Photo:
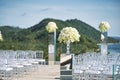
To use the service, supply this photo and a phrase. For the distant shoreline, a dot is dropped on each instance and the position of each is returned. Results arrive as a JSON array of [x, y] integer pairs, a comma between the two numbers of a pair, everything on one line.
[[109, 43]]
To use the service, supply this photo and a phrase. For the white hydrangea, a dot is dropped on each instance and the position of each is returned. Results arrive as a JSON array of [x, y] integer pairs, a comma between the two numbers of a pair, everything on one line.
[[51, 27], [68, 34], [102, 37], [104, 26], [1, 38]]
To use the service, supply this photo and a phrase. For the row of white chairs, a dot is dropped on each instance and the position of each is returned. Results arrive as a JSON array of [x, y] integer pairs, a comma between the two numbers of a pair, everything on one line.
[[91, 65], [18, 63]]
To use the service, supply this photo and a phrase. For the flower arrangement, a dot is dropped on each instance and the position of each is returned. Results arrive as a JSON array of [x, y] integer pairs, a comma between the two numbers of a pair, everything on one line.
[[1, 38], [51, 27], [68, 34], [104, 26], [102, 37]]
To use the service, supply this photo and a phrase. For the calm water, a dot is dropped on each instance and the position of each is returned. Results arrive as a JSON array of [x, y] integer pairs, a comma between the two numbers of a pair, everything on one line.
[[114, 48]]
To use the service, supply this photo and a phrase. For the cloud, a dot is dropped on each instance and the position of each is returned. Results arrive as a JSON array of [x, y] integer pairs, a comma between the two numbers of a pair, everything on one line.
[[45, 9]]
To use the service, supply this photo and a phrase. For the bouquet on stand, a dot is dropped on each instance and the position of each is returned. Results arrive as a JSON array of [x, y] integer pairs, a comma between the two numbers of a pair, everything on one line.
[[68, 35], [104, 26]]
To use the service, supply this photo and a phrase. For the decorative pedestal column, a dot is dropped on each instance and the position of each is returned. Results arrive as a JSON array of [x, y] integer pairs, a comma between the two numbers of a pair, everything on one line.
[[52, 48], [104, 49], [51, 54], [104, 44], [51, 27]]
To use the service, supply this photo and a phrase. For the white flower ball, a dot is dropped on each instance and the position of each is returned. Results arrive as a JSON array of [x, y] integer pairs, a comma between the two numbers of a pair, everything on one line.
[[102, 37], [68, 34], [104, 26], [51, 27], [1, 38]]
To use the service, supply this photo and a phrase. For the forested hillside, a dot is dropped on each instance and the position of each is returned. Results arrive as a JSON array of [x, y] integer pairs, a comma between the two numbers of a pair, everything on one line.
[[37, 38]]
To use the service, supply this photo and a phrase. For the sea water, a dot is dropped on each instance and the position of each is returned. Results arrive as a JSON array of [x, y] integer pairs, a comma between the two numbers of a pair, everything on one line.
[[114, 48]]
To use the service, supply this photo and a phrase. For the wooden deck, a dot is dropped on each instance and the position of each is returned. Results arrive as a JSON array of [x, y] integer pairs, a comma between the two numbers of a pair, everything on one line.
[[44, 72]]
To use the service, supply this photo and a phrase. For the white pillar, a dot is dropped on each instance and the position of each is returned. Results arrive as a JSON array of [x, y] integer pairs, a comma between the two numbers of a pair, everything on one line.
[[52, 48]]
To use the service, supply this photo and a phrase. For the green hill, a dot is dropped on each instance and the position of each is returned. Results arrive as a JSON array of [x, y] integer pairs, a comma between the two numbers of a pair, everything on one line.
[[37, 38]]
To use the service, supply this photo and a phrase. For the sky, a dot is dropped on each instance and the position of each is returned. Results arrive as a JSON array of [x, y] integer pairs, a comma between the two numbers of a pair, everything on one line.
[[26, 13]]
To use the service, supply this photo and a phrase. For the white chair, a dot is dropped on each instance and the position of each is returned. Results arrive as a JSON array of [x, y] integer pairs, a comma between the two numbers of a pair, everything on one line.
[[5, 70]]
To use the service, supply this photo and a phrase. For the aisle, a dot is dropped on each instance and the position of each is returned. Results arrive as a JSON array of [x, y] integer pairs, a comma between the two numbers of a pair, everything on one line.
[[44, 72]]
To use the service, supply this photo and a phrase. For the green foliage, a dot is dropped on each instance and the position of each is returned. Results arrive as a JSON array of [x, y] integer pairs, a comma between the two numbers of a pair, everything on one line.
[[37, 38]]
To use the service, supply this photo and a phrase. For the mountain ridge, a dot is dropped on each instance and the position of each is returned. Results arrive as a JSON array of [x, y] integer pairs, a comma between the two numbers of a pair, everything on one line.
[[37, 38]]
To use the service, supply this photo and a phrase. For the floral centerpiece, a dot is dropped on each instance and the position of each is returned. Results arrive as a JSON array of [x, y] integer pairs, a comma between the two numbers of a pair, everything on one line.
[[102, 37], [104, 26], [1, 38], [51, 27], [68, 35]]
